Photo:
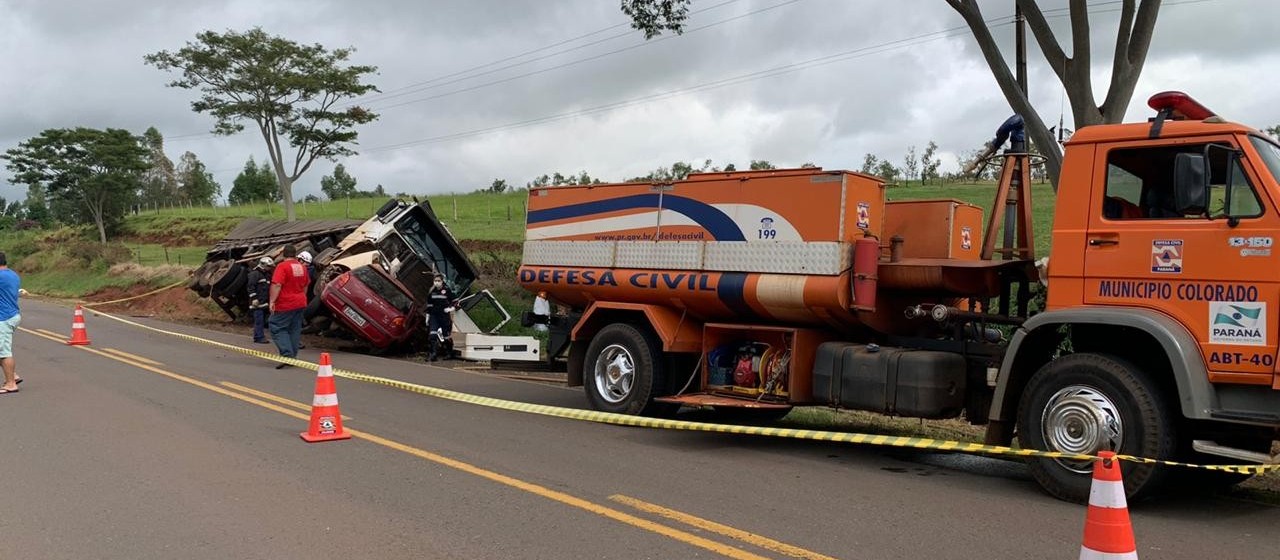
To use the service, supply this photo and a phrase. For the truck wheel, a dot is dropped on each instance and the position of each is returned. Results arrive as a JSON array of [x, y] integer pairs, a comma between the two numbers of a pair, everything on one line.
[[236, 286], [226, 277], [1085, 403], [624, 370]]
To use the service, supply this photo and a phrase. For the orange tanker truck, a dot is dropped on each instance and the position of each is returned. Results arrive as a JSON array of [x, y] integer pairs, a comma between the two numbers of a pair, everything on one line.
[[1151, 333]]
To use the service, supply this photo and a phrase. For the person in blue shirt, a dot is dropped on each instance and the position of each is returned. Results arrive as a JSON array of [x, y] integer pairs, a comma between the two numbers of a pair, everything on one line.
[[10, 288]]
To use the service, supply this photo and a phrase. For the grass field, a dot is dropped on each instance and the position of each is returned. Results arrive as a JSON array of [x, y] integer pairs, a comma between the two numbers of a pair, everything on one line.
[[179, 237]]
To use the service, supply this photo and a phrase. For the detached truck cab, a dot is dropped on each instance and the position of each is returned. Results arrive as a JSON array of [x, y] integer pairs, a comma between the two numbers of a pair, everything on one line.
[[758, 291], [377, 284]]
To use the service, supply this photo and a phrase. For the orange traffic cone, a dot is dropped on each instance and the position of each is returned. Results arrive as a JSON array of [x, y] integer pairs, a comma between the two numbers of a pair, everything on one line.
[[79, 336], [1107, 532], [326, 421]]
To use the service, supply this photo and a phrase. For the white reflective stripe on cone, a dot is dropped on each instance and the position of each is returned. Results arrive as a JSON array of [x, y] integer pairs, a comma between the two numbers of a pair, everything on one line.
[[1107, 494], [324, 371], [1090, 554], [325, 400]]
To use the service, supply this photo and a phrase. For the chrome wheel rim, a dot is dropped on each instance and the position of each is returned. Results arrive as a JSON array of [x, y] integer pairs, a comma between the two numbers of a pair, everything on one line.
[[1083, 420], [615, 373]]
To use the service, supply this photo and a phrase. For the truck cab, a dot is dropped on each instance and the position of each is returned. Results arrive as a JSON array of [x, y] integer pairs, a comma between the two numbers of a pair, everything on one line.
[[1162, 284], [378, 285]]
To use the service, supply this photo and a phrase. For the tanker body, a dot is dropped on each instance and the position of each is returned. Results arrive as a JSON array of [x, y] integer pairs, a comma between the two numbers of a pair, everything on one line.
[[738, 263]]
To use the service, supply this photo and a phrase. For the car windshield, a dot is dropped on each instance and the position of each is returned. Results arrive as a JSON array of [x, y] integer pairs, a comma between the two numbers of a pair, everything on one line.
[[1270, 155], [415, 231], [384, 287]]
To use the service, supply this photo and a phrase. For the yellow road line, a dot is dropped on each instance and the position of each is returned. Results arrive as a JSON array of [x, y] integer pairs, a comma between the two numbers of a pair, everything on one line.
[[567, 499], [46, 333], [271, 397], [711, 526], [133, 357]]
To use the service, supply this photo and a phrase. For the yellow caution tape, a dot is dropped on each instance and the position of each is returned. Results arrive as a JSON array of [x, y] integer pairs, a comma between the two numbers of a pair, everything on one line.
[[665, 424], [131, 298]]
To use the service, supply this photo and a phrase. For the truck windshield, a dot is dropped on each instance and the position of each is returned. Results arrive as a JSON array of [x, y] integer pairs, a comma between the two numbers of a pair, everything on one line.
[[382, 286], [416, 232], [1270, 155]]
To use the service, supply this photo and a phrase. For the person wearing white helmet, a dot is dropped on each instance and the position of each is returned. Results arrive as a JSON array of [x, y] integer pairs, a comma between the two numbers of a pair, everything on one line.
[[305, 258], [259, 287]]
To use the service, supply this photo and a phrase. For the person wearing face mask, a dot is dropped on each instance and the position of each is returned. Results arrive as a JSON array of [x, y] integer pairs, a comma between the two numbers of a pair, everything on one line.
[[441, 302]]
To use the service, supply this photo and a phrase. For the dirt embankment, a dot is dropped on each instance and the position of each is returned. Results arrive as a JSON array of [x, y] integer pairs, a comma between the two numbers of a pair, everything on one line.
[[177, 304]]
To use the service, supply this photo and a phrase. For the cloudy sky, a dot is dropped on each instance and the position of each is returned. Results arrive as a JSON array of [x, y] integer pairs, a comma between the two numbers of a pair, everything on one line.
[[475, 90]]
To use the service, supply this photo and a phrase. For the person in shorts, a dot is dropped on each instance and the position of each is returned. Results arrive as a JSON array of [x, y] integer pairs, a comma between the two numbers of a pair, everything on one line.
[[10, 289]]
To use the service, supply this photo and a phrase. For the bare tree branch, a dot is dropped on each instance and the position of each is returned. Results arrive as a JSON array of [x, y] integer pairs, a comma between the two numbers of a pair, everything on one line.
[[1044, 37], [1035, 126]]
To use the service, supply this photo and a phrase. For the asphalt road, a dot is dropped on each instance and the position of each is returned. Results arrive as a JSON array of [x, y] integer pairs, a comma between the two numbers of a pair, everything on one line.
[[145, 446]]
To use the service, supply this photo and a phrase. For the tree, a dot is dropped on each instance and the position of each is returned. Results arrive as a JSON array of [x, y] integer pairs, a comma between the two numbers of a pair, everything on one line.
[[339, 185], [498, 186], [929, 162], [378, 191], [808, 165], [911, 163], [287, 89], [870, 163], [1274, 131], [730, 167], [760, 164], [195, 183], [160, 180], [97, 172], [887, 171], [1137, 25], [254, 183]]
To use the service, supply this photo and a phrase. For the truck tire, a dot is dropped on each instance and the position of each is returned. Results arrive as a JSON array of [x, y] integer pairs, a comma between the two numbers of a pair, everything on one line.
[[624, 371], [324, 257], [1085, 403], [236, 286], [215, 272], [225, 277], [206, 270]]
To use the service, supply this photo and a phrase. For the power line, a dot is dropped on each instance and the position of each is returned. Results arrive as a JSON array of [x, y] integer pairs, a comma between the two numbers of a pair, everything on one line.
[[384, 96], [389, 93], [768, 73], [558, 66], [734, 80]]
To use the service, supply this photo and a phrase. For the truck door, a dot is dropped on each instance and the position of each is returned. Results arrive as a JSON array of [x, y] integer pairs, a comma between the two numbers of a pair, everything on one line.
[[1214, 277]]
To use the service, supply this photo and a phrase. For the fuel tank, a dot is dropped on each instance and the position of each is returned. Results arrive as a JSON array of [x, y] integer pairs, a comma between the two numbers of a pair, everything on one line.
[[796, 247]]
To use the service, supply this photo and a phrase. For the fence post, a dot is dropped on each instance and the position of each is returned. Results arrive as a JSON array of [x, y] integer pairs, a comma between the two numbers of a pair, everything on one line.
[[508, 211], [455, 208], [166, 253], [348, 206]]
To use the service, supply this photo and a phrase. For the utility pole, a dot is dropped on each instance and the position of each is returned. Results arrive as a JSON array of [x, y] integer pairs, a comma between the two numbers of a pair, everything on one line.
[[1016, 187], [1020, 30]]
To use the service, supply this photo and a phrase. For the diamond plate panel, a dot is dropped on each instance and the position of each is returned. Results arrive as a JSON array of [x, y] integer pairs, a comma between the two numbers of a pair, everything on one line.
[[677, 255], [569, 253], [782, 257]]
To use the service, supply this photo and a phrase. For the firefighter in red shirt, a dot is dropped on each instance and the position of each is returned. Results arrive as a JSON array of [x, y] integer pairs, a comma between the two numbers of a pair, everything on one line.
[[288, 302]]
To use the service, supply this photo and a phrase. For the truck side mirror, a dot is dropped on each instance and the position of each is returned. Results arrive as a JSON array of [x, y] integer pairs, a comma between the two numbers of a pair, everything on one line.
[[1190, 184]]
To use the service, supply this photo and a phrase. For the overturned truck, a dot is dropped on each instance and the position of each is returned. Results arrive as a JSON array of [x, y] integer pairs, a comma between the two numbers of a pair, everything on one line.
[[370, 278]]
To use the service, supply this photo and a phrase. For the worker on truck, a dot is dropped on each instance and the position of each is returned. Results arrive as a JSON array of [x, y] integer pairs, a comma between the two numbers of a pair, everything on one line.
[[441, 302]]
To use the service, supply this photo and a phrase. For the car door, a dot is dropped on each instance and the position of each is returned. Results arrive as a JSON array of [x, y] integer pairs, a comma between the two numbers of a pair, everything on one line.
[[1213, 275]]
